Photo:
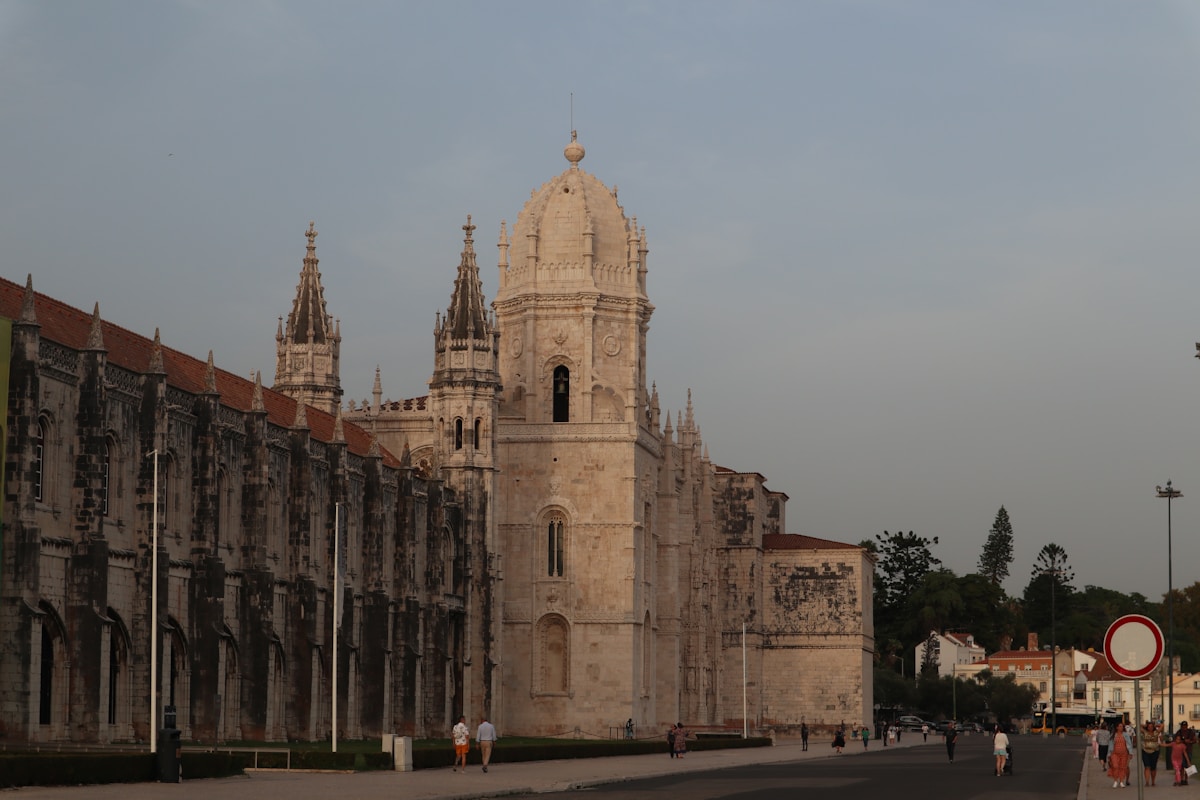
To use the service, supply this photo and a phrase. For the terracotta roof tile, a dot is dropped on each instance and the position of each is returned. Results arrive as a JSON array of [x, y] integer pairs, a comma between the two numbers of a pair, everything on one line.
[[70, 326], [796, 541]]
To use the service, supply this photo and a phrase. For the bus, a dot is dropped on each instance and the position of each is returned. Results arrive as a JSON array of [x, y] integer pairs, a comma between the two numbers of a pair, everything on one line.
[[1075, 720]]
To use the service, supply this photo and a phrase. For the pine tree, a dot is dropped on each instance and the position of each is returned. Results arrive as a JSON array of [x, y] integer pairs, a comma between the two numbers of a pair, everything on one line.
[[997, 552]]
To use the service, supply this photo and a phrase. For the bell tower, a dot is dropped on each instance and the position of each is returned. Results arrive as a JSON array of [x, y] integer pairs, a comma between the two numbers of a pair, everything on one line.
[[580, 459], [308, 347]]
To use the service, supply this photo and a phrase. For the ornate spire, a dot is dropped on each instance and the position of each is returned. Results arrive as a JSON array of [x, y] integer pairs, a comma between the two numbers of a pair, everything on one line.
[[466, 318], [95, 340], [308, 323], [308, 344]]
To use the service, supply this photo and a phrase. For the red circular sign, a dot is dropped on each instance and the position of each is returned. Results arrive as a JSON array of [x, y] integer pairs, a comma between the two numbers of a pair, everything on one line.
[[1133, 646]]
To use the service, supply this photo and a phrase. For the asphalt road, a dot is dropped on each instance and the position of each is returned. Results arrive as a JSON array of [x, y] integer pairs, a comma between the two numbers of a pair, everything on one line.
[[1044, 769]]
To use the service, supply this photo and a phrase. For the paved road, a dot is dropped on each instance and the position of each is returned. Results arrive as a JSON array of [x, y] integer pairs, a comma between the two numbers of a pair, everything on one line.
[[1046, 770]]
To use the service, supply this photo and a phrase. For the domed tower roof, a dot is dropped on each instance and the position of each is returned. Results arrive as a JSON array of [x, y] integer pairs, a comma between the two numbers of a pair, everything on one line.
[[573, 235]]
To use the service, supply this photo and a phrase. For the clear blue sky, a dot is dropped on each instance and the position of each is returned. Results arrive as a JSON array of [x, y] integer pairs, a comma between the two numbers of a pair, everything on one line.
[[914, 259]]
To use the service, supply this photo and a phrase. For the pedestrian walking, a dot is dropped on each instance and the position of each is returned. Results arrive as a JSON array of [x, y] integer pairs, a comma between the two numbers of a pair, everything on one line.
[[1189, 740], [866, 736], [1177, 752], [1151, 742], [925, 732], [671, 741], [461, 735], [839, 739], [1000, 749], [485, 735], [804, 737], [680, 740], [1103, 740], [1118, 758], [951, 737]]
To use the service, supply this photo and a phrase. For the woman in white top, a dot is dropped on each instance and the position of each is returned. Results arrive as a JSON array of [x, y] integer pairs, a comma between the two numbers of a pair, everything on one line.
[[1000, 749]]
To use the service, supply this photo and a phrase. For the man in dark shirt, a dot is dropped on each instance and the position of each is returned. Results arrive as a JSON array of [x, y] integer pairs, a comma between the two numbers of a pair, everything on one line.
[[951, 737]]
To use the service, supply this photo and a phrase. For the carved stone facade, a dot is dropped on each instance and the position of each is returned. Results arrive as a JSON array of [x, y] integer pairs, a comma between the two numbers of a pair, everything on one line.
[[534, 539]]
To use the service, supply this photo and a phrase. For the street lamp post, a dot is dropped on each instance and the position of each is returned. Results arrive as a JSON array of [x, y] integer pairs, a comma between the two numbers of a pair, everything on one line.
[[1170, 494], [1053, 658]]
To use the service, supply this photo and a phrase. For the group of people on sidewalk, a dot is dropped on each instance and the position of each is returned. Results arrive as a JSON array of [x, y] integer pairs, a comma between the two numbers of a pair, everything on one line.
[[485, 739], [1115, 747]]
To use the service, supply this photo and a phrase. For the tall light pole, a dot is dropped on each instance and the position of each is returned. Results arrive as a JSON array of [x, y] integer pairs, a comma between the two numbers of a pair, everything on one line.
[[1053, 657], [154, 611], [1170, 494]]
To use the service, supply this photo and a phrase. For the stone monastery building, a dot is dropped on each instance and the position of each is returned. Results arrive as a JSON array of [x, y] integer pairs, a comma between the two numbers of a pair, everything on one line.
[[534, 539]]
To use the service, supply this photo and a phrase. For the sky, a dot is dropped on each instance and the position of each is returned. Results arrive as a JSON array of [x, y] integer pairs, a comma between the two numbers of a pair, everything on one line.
[[914, 260]]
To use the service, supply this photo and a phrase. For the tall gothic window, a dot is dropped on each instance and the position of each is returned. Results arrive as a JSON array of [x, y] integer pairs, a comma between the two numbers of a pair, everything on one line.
[[478, 433], [458, 433], [39, 461], [105, 476], [554, 546], [562, 394]]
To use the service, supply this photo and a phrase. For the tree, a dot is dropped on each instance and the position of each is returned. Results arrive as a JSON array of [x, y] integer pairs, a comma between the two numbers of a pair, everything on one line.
[[1049, 595], [892, 690], [903, 561], [935, 605], [1006, 698], [932, 656], [997, 553]]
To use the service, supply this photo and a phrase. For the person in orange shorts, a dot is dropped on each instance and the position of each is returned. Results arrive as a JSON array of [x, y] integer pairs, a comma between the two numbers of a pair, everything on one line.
[[461, 735]]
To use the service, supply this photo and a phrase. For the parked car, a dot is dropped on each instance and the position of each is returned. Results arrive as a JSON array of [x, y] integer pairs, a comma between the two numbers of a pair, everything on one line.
[[909, 722]]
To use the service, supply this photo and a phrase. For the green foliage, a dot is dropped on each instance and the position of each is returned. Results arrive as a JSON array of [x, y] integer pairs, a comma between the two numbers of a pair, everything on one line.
[[892, 690], [997, 553], [1048, 601], [904, 561], [1006, 698]]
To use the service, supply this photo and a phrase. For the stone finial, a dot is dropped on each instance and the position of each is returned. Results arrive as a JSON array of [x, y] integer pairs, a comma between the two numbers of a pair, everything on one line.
[[339, 432], [156, 356], [95, 340], [574, 151], [210, 375], [374, 451], [28, 312], [256, 401], [301, 421]]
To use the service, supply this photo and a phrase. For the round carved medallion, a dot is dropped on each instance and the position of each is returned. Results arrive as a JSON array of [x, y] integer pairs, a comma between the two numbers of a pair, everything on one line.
[[612, 345]]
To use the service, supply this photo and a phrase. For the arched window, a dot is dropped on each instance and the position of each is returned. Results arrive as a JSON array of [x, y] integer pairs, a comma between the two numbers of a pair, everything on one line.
[[105, 473], [478, 434], [39, 460], [562, 394], [555, 545], [458, 433]]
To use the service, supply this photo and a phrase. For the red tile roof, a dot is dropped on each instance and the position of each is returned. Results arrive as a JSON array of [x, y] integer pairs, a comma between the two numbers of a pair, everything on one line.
[[70, 327], [796, 541]]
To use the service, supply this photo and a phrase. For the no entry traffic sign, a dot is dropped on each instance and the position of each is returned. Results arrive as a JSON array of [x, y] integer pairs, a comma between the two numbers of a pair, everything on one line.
[[1133, 646]]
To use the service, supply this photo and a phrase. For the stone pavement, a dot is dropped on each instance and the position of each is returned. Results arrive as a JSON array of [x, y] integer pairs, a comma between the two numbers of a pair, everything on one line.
[[503, 779], [1095, 784]]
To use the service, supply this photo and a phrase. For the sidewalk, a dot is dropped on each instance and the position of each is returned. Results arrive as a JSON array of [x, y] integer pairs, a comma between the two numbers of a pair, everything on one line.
[[1094, 782], [443, 784]]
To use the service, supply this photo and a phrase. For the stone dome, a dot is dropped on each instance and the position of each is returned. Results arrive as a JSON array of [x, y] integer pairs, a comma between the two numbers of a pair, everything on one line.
[[576, 232]]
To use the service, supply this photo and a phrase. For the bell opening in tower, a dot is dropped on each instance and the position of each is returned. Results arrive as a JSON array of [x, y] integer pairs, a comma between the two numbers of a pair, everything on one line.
[[562, 394]]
